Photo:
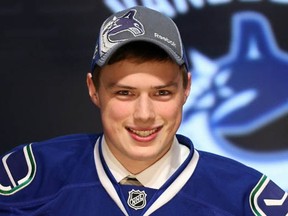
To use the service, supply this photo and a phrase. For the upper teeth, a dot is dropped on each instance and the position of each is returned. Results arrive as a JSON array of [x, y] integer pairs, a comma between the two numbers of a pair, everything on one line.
[[143, 133]]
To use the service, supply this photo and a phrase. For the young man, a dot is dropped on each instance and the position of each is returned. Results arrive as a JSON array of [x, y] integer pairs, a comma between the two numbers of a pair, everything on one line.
[[140, 82]]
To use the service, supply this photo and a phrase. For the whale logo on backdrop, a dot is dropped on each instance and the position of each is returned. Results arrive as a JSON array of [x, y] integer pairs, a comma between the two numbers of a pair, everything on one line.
[[240, 93]]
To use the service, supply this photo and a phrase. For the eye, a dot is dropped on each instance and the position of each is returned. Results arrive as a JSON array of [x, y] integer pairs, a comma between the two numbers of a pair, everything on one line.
[[163, 93], [123, 93]]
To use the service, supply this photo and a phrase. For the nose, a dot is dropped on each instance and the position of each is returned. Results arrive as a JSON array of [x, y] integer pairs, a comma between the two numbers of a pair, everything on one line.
[[144, 109]]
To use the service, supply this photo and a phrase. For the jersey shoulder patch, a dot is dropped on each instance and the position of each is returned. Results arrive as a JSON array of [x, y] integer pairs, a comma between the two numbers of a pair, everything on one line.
[[17, 170], [267, 198]]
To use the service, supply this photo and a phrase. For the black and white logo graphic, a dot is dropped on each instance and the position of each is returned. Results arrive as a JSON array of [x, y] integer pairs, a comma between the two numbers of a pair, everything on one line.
[[137, 199]]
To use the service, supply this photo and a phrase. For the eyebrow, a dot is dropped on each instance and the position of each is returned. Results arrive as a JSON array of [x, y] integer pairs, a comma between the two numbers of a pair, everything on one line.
[[115, 85], [171, 84]]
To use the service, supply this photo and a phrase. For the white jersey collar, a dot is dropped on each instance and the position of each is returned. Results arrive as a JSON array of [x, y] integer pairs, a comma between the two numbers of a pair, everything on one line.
[[172, 186], [155, 175]]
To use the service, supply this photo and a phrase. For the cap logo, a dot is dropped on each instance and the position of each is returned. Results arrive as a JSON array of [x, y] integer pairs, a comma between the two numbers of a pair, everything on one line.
[[116, 30]]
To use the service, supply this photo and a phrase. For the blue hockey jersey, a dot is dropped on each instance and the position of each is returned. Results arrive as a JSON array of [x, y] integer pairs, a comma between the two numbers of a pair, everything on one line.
[[67, 176]]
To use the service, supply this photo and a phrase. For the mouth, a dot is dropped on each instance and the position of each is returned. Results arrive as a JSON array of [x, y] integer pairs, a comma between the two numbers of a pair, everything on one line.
[[144, 133]]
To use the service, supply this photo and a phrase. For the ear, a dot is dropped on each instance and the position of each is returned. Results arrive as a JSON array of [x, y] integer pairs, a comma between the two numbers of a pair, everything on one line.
[[92, 89], [188, 88]]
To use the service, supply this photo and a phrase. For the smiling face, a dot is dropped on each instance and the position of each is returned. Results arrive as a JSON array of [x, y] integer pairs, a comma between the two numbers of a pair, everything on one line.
[[141, 109]]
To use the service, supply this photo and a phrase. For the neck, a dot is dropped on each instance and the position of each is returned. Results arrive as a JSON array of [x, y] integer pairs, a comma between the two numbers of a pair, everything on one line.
[[137, 164]]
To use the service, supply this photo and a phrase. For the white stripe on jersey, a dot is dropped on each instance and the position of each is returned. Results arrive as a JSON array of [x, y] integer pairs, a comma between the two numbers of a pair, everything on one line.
[[167, 195]]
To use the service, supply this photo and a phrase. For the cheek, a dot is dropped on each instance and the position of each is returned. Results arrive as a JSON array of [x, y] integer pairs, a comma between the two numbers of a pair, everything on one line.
[[115, 111], [171, 111]]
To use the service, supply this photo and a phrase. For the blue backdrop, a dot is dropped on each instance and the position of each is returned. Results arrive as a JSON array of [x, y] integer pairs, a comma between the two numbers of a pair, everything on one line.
[[238, 52]]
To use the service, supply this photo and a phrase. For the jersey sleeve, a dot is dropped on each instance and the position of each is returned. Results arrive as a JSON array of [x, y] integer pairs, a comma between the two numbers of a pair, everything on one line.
[[17, 170], [269, 199]]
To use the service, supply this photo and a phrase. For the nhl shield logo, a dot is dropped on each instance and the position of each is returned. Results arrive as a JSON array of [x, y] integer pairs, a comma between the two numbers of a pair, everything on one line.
[[137, 199]]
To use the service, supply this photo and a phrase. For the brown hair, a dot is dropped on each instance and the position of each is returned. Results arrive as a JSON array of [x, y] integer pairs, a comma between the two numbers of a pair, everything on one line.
[[141, 52]]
